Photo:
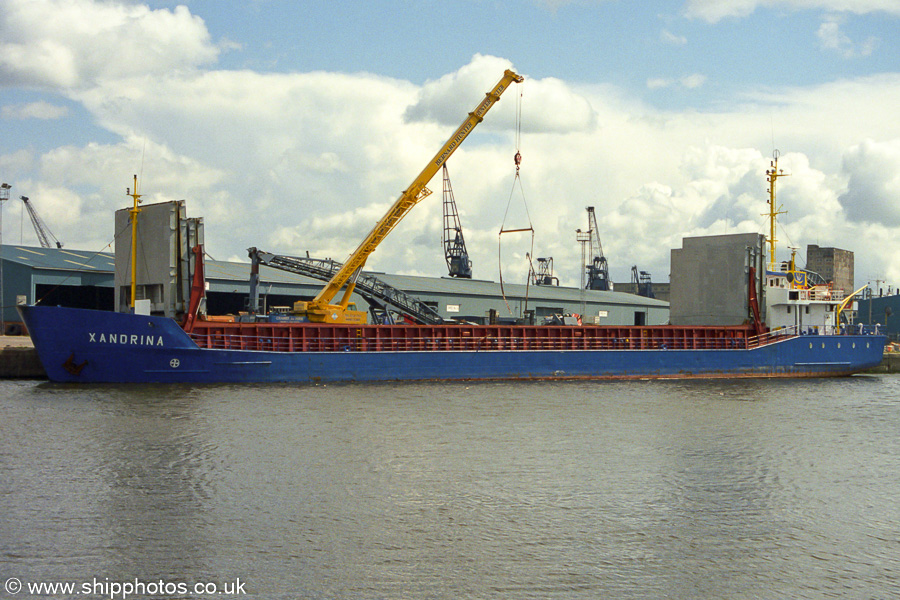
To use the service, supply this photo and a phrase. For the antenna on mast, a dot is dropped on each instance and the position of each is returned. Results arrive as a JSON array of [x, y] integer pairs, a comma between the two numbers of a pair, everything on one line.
[[773, 174], [134, 213]]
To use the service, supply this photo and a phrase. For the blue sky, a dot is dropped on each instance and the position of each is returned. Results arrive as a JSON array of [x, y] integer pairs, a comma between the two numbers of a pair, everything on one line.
[[292, 126], [620, 42]]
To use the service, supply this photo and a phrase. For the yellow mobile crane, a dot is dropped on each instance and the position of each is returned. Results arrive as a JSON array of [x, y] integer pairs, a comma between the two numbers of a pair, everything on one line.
[[320, 309]]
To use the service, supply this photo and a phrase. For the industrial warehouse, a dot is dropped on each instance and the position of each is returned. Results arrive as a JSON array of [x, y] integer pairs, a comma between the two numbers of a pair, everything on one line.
[[81, 279]]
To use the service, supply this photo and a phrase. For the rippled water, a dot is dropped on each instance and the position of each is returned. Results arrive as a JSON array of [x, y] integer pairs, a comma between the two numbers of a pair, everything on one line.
[[749, 489]]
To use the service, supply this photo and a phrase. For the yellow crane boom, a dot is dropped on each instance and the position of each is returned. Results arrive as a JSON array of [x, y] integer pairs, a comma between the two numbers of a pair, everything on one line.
[[320, 309]]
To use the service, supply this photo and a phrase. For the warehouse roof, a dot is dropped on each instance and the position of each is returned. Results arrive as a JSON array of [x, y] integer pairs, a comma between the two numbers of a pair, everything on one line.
[[59, 258]]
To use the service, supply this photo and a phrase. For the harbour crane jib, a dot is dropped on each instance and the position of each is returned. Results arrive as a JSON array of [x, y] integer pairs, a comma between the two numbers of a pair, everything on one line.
[[321, 309], [40, 228], [458, 262], [598, 268]]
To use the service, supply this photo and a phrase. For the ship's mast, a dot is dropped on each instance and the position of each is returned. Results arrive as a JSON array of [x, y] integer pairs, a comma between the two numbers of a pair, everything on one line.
[[134, 213], [773, 174]]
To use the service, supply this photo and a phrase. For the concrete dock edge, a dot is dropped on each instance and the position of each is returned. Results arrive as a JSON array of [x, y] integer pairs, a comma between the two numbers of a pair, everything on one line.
[[20, 362]]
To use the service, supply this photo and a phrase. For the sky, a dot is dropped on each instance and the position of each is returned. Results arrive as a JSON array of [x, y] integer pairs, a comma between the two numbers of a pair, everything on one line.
[[293, 126]]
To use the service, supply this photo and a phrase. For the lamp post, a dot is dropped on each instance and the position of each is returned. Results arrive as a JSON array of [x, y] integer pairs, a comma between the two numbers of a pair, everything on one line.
[[4, 196]]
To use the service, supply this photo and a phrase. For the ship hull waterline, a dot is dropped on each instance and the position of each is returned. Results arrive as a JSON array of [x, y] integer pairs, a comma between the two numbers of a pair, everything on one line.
[[88, 346]]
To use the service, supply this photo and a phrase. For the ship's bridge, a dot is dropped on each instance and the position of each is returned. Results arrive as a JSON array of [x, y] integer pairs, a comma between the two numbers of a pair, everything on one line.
[[793, 299]]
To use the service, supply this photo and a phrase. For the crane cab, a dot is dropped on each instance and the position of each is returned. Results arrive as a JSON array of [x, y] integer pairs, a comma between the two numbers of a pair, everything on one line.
[[330, 313]]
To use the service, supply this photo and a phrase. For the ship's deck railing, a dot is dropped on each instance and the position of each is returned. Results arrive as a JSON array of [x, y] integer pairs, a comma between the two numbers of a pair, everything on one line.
[[349, 344], [774, 335], [821, 293], [446, 338], [327, 338], [812, 330]]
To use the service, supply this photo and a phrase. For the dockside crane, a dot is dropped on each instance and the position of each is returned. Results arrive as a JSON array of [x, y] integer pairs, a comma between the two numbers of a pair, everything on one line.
[[641, 282], [40, 228], [544, 273], [597, 269], [321, 309], [455, 252]]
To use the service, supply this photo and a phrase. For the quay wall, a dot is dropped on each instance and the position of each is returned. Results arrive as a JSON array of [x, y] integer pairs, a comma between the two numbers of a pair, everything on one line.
[[20, 362]]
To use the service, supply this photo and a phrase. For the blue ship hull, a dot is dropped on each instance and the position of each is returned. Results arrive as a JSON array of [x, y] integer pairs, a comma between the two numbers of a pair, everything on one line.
[[77, 345]]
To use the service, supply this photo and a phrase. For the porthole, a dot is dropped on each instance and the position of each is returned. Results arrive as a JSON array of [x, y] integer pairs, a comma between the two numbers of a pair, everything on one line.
[[823, 344], [854, 344], [839, 344], [810, 345]]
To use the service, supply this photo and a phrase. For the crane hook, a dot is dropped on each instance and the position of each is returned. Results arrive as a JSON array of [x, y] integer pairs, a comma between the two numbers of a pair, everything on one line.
[[518, 160]]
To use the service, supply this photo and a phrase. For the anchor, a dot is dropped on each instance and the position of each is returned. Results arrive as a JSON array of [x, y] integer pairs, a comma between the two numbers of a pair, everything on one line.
[[71, 367]]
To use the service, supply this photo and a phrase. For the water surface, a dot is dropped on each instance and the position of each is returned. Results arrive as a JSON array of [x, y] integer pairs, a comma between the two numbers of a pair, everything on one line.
[[716, 489]]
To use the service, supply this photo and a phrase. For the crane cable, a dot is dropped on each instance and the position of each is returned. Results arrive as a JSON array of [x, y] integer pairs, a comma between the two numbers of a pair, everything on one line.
[[517, 159]]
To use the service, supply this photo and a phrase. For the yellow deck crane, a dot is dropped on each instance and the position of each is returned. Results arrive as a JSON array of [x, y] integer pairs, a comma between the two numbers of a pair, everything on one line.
[[320, 309]]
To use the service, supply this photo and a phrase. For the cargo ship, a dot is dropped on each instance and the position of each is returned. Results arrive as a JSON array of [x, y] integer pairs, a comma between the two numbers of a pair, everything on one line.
[[320, 340], [80, 345]]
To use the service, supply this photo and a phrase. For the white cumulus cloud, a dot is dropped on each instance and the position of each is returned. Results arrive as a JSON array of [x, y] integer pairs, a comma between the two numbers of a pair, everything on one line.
[[552, 106], [716, 10], [689, 82], [76, 43], [873, 188], [668, 37], [831, 37], [34, 110]]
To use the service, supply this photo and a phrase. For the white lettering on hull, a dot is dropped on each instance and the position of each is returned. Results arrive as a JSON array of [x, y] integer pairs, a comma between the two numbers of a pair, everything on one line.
[[124, 338]]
